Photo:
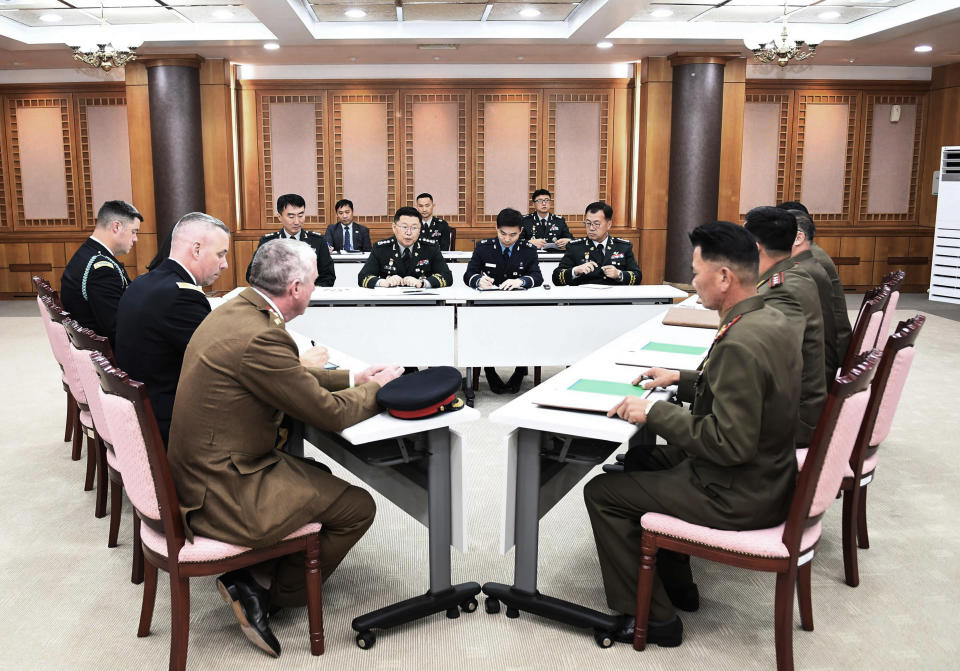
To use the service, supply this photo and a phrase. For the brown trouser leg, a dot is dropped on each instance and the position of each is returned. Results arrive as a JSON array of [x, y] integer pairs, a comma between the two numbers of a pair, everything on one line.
[[344, 523]]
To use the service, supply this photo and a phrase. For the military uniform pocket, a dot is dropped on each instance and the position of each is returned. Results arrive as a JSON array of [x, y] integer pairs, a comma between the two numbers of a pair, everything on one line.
[[251, 463]]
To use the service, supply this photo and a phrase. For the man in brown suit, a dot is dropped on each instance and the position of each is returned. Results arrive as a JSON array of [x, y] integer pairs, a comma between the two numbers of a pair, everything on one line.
[[240, 374]]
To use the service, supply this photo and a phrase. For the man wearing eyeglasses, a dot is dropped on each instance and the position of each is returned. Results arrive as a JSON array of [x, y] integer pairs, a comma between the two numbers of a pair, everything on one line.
[[405, 260], [542, 226], [598, 258]]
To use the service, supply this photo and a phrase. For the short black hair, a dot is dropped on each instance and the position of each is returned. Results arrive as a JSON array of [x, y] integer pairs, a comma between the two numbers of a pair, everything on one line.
[[509, 217], [290, 199], [113, 210], [794, 205], [804, 223], [730, 244], [540, 192], [600, 206], [407, 211], [425, 195], [341, 203], [774, 229]]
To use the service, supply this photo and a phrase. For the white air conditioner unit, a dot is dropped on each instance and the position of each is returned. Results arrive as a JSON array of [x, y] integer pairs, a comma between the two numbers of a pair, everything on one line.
[[945, 272]]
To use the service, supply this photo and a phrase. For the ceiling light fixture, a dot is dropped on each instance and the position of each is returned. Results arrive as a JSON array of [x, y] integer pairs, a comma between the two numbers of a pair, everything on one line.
[[51, 18], [271, 46], [604, 45], [785, 50], [661, 13], [829, 15], [105, 50], [922, 48], [529, 12], [222, 14], [355, 13]]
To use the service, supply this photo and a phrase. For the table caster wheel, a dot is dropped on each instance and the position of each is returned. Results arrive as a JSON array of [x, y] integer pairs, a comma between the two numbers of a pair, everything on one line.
[[365, 640], [512, 612], [453, 613], [492, 605], [469, 606], [603, 638]]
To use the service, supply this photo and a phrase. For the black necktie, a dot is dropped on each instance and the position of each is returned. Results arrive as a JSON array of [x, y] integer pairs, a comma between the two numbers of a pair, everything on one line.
[[600, 249], [506, 253], [347, 242], [406, 257]]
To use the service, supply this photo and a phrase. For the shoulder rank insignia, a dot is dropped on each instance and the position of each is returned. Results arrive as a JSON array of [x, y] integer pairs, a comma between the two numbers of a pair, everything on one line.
[[619, 239], [102, 264], [187, 285], [776, 279], [277, 319], [722, 331], [386, 241]]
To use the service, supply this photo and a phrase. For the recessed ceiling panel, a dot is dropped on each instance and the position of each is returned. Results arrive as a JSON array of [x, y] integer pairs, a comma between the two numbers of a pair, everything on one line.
[[846, 14], [95, 4], [134, 15], [768, 3], [183, 3], [744, 14], [218, 14], [443, 11], [347, 4], [677, 12], [865, 3], [510, 11], [372, 12], [31, 17], [31, 4]]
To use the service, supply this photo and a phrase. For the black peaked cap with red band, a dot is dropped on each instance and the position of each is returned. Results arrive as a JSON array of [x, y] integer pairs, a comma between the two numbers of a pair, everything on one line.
[[422, 394]]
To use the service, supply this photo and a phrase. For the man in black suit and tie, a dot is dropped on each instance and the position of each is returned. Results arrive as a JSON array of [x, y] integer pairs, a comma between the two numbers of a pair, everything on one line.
[[346, 235], [292, 212], [160, 310]]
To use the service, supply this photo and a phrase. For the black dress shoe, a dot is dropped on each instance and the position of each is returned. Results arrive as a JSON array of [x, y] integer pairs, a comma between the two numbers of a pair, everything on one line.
[[613, 468], [251, 605], [667, 634], [497, 385], [685, 597], [620, 457], [513, 384]]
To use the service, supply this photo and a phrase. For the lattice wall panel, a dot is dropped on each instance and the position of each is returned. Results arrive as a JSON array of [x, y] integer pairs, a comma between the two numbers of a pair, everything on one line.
[[86, 173], [603, 99], [783, 136], [460, 100], [269, 197], [871, 103]]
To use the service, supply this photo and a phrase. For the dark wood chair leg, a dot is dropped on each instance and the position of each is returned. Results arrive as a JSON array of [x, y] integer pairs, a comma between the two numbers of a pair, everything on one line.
[[863, 538], [476, 377], [116, 503], [71, 417], [648, 563], [136, 573], [77, 436], [314, 596], [179, 621], [851, 571], [149, 599], [91, 463], [100, 509], [537, 372], [783, 619], [804, 596]]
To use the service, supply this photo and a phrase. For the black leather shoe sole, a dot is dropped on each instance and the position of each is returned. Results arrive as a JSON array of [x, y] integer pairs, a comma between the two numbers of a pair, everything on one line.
[[266, 641], [666, 634]]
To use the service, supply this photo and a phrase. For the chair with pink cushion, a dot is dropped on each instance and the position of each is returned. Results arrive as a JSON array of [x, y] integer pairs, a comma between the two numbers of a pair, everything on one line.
[[865, 331], [887, 387], [892, 281], [786, 549], [150, 488], [44, 289], [84, 422]]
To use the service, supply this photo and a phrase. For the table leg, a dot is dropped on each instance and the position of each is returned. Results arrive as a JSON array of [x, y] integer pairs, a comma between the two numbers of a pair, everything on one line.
[[442, 596], [523, 594], [468, 388]]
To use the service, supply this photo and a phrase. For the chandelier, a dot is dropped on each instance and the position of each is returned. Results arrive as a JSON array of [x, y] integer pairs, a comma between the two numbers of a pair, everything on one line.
[[103, 50], [784, 51]]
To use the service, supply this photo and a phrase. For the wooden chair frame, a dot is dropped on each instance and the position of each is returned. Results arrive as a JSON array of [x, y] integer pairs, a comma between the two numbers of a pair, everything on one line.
[[73, 413], [874, 300]]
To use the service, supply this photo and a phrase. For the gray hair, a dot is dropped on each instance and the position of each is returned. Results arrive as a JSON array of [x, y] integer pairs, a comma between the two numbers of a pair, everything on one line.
[[196, 221], [280, 262]]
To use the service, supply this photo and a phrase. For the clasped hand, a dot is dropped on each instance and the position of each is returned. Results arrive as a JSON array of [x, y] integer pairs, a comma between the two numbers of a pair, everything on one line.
[[378, 373]]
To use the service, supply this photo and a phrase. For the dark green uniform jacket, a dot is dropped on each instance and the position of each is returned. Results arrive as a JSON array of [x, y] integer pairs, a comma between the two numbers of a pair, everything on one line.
[[831, 354], [550, 229], [841, 317]]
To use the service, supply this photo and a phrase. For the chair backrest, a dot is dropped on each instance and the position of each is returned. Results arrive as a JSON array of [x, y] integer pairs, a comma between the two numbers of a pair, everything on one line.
[[44, 289], [140, 453], [892, 281], [61, 347], [868, 324], [453, 238], [830, 449], [83, 343]]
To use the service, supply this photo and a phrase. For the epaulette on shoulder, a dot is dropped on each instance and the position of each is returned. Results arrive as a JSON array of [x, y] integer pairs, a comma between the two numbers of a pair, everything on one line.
[[776, 280], [488, 241], [559, 218], [439, 219], [527, 217], [427, 241], [621, 240], [578, 241], [385, 241], [187, 285], [311, 234], [271, 236], [524, 244], [102, 264]]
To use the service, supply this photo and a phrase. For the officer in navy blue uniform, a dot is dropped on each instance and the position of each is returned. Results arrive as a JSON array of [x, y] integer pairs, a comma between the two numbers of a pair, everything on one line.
[[542, 226], [405, 260], [598, 258], [94, 280], [160, 310], [433, 228], [506, 263], [292, 208]]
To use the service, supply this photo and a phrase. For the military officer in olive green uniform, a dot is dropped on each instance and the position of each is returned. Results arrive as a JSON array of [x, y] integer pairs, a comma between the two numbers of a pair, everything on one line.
[[789, 288], [841, 317], [598, 258], [405, 260], [730, 462]]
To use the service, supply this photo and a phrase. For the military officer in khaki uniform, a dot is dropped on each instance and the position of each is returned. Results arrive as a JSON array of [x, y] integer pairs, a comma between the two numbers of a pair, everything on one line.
[[841, 317], [730, 462], [789, 289], [404, 259], [432, 228], [599, 258]]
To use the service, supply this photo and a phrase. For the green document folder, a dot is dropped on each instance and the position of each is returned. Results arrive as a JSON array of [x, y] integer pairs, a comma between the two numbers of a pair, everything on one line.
[[611, 388], [673, 349]]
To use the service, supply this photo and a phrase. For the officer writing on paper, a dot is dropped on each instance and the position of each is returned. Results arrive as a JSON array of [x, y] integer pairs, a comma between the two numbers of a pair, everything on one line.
[[504, 262], [730, 461]]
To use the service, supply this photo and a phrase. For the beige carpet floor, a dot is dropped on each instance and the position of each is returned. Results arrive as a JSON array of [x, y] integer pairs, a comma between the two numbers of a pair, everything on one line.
[[67, 601]]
